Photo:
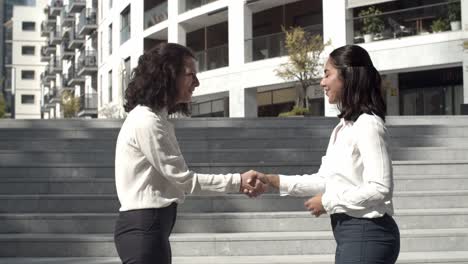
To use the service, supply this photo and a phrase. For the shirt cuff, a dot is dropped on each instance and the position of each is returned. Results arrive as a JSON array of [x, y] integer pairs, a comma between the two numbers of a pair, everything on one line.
[[235, 182], [284, 183], [327, 202]]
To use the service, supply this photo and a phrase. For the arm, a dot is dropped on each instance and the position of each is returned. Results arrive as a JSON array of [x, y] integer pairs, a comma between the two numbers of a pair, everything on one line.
[[377, 184], [158, 144]]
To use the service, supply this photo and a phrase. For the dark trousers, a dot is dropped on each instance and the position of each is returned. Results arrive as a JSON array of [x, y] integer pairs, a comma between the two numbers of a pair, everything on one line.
[[365, 241], [142, 236]]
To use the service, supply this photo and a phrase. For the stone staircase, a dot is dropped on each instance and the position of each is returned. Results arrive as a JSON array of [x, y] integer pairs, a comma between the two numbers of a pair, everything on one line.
[[58, 202]]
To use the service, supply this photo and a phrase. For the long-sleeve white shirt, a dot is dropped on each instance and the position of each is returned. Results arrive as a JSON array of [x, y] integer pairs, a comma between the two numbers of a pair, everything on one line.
[[355, 176], [150, 171]]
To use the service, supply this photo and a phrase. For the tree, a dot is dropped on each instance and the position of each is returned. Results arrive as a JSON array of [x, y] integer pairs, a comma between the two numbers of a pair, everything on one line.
[[2, 106], [304, 62], [70, 104]]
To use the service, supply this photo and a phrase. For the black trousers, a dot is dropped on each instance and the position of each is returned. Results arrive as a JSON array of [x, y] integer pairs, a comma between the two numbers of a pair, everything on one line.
[[365, 241], [142, 236]]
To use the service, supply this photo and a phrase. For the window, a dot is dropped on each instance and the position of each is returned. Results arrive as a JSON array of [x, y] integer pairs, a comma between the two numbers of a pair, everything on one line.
[[27, 75], [110, 39], [127, 74], [29, 26], [110, 86], [27, 99], [125, 25], [100, 90], [27, 50]]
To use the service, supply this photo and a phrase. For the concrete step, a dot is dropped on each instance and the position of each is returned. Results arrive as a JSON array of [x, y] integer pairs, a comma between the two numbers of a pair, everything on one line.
[[94, 170], [14, 157], [404, 258], [222, 244], [64, 185], [229, 203], [293, 221], [58, 144]]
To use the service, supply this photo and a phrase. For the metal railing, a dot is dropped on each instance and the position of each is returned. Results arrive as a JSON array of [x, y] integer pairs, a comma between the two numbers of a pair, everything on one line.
[[213, 58], [87, 58], [87, 18], [273, 45], [399, 23], [89, 101], [155, 15]]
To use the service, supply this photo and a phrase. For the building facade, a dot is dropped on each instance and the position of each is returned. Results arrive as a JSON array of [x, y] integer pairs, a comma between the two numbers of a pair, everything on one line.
[[71, 56], [19, 53], [239, 44]]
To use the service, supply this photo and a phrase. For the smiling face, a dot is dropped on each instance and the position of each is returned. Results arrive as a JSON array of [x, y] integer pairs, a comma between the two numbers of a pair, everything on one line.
[[332, 83], [187, 81]]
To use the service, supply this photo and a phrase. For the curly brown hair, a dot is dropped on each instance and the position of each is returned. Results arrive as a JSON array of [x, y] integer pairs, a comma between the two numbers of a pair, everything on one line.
[[153, 81]]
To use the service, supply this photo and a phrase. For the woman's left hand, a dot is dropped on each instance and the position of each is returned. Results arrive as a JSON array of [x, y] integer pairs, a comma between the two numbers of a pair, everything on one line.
[[314, 205]]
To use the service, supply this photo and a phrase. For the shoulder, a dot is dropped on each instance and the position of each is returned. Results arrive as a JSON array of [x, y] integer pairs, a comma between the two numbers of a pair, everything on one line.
[[366, 123]]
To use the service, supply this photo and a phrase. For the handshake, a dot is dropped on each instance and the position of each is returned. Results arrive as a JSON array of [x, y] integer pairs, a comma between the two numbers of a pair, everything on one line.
[[254, 183]]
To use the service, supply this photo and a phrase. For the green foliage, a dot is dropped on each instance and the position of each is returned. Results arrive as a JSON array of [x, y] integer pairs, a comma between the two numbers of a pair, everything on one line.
[[2, 106], [439, 25], [70, 104], [454, 10], [296, 111], [304, 64], [372, 22]]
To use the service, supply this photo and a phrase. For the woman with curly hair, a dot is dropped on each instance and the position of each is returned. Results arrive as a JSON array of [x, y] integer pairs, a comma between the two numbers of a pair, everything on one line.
[[151, 175]]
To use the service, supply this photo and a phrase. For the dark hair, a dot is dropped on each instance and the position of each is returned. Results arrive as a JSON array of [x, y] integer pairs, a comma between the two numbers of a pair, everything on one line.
[[361, 83], [153, 81]]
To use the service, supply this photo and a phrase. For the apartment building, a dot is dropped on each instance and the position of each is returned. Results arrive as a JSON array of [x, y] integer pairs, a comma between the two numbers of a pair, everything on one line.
[[71, 56], [239, 44], [21, 65]]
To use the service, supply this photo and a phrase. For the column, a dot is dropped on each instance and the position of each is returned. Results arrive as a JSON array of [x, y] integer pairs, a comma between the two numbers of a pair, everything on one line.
[[176, 33], [240, 29], [339, 31], [242, 102]]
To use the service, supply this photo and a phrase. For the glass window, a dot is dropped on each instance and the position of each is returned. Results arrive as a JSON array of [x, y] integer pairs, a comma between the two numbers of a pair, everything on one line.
[[110, 39], [27, 50], [110, 86], [125, 25], [29, 26], [27, 75], [27, 99]]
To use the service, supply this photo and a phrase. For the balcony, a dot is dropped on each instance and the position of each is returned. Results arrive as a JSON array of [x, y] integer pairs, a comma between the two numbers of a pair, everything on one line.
[[55, 37], [73, 78], [52, 97], [45, 57], [67, 18], [50, 21], [87, 22], [377, 23], [212, 58], [47, 76], [76, 41], [50, 49], [272, 45], [66, 52], [88, 104], [75, 6], [192, 4], [45, 29], [155, 15], [55, 7], [65, 86], [87, 63], [8, 34], [55, 66]]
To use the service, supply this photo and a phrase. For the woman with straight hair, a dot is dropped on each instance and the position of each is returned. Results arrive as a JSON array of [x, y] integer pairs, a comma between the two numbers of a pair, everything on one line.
[[354, 184], [151, 175]]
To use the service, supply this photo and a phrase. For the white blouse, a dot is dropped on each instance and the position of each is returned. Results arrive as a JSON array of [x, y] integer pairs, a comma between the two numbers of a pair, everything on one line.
[[150, 171], [355, 176]]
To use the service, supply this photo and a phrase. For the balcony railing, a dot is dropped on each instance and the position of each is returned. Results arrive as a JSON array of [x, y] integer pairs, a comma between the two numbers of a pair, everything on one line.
[[66, 52], [67, 18], [155, 15], [87, 22], [55, 66], [87, 63], [45, 29], [213, 58], [89, 101], [192, 4], [76, 40], [73, 78], [8, 34], [75, 6], [55, 7], [45, 56], [55, 36], [273, 45], [124, 34], [419, 20]]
